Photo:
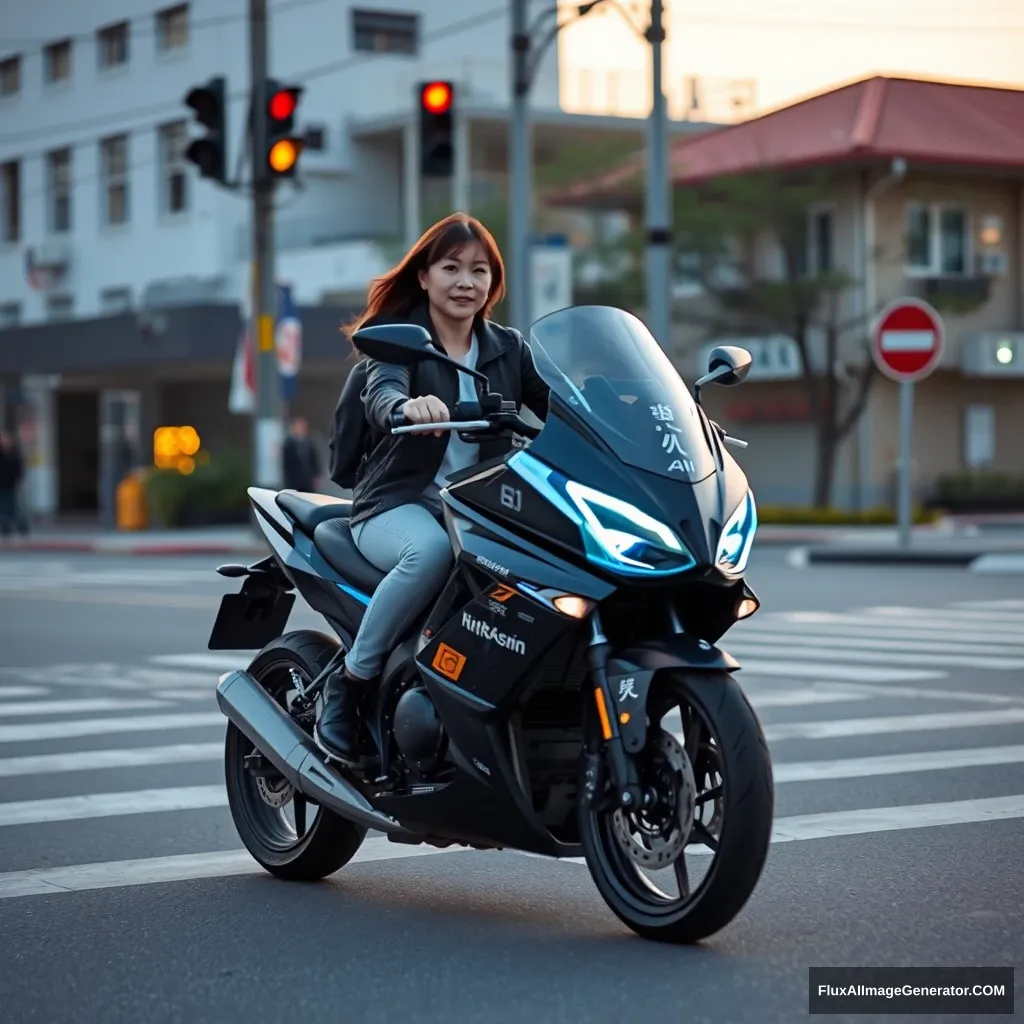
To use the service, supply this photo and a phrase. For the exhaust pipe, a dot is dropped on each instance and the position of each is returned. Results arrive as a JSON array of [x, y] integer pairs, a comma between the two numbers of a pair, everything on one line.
[[293, 753]]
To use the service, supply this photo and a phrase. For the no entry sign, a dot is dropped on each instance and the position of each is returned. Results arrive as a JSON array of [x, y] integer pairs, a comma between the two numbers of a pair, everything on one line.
[[908, 340]]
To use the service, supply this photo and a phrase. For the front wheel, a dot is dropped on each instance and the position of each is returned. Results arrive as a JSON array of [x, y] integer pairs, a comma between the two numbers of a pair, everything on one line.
[[683, 867]]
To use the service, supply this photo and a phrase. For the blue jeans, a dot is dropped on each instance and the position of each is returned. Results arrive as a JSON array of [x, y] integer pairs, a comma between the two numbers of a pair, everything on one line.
[[413, 549]]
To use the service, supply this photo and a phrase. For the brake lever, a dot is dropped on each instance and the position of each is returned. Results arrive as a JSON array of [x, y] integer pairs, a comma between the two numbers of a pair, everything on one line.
[[735, 442]]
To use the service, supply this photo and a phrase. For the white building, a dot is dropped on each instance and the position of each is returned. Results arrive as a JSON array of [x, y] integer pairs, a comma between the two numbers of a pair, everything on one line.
[[122, 272]]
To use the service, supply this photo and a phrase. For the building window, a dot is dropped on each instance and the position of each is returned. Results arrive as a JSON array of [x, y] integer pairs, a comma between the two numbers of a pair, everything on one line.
[[10, 314], [10, 184], [59, 307], [380, 32], [172, 28], [10, 76], [822, 245], [116, 300], [173, 172], [57, 62], [114, 152], [59, 190], [937, 239], [112, 45]]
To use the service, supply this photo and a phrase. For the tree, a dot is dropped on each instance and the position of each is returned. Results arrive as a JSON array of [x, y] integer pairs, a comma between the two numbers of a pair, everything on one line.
[[718, 228]]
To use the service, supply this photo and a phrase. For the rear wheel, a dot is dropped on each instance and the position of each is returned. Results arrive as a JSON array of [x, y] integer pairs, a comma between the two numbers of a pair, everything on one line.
[[287, 835], [683, 867]]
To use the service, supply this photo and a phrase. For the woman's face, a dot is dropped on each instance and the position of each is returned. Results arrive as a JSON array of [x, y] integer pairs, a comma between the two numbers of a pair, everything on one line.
[[458, 285]]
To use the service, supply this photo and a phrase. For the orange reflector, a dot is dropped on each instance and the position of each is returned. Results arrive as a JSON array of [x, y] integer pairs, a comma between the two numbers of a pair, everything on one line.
[[283, 155], [602, 713], [746, 608], [624, 717], [576, 607]]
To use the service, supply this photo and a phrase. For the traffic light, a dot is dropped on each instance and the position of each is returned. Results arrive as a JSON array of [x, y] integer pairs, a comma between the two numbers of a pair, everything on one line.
[[437, 149], [209, 153], [283, 145]]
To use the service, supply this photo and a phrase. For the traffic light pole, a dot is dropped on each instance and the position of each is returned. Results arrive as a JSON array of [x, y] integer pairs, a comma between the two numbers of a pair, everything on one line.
[[267, 425], [520, 220]]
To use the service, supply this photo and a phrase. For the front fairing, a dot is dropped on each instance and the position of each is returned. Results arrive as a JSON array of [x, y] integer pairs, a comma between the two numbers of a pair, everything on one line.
[[695, 510]]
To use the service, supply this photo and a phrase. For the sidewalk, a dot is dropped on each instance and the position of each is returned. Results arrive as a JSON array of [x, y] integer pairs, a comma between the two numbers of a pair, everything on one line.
[[235, 540]]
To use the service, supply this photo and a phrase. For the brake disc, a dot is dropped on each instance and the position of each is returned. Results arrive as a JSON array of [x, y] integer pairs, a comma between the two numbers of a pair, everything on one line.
[[657, 844], [275, 795]]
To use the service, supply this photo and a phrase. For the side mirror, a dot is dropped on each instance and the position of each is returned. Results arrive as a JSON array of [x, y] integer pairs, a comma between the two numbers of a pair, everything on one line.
[[727, 365], [402, 344]]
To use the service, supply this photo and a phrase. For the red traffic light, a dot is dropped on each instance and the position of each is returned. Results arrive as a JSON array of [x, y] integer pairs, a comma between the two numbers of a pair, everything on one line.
[[436, 97], [282, 104]]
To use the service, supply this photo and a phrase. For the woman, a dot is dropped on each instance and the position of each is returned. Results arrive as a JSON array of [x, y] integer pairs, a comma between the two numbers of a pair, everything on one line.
[[448, 283]]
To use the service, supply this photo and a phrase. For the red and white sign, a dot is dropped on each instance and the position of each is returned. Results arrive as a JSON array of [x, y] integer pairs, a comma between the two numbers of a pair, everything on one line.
[[908, 340]]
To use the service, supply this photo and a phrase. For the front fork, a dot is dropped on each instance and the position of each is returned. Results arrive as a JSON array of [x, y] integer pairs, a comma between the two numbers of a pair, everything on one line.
[[620, 766]]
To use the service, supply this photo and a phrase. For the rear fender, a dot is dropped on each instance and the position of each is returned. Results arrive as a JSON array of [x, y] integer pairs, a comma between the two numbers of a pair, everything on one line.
[[631, 671]]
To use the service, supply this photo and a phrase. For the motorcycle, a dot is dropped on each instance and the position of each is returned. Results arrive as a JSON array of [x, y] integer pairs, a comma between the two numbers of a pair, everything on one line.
[[564, 695]]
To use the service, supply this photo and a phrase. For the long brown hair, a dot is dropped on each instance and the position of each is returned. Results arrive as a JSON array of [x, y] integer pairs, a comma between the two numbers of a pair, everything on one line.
[[398, 291]]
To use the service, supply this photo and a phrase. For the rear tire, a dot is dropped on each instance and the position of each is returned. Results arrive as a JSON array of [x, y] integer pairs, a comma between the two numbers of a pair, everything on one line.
[[746, 811], [331, 841]]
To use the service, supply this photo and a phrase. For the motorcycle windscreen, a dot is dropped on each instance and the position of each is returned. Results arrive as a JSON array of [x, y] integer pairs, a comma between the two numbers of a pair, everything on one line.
[[609, 370]]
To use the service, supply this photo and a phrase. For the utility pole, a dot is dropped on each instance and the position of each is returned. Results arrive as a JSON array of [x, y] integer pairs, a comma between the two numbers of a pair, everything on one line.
[[267, 433], [659, 191], [520, 221]]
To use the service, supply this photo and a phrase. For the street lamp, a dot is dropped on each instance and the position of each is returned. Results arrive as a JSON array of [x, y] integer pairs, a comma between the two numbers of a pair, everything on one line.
[[658, 191]]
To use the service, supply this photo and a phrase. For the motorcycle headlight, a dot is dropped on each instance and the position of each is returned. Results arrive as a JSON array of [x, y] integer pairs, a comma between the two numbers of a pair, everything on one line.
[[615, 533], [627, 536], [737, 538]]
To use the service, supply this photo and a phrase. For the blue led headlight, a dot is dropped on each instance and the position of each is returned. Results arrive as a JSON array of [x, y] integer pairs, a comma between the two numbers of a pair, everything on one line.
[[737, 538]]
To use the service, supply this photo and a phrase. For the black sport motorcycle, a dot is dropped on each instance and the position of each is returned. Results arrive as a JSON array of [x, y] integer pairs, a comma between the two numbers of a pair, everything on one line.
[[564, 695]]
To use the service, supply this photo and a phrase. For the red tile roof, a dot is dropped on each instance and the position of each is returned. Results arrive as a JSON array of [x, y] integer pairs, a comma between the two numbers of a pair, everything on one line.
[[876, 118]]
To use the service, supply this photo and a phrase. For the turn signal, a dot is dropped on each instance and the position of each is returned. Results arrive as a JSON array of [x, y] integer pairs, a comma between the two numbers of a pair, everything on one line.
[[573, 606], [747, 607]]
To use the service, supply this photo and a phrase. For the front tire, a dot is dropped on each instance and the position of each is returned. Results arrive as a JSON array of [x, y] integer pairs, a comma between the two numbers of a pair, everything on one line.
[[721, 736], [287, 849]]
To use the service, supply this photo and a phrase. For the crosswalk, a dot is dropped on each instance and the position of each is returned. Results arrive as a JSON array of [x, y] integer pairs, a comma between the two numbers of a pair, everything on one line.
[[902, 696], [47, 574]]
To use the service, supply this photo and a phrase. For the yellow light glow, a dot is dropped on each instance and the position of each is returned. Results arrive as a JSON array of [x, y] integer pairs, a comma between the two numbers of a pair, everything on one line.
[[569, 604], [746, 608], [283, 156], [174, 448]]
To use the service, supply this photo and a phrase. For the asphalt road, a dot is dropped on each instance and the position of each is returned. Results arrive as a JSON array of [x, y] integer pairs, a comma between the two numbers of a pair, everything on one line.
[[893, 701]]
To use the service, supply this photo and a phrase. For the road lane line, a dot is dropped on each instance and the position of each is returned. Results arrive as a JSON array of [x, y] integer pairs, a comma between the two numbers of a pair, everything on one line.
[[87, 704], [858, 641], [831, 654], [817, 670], [799, 828], [22, 691], [896, 764], [110, 805], [32, 731], [822, 730], [213, 662], [93, 760]]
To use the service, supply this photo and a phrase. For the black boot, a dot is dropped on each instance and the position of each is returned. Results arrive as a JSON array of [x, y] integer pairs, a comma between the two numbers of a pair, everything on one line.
[[337, 731]]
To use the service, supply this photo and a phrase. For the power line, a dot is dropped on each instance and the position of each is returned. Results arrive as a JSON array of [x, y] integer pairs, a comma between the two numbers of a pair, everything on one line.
[[146, 113]]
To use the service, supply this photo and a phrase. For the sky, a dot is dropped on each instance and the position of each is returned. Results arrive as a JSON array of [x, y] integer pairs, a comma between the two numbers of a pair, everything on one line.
[[767, 53]]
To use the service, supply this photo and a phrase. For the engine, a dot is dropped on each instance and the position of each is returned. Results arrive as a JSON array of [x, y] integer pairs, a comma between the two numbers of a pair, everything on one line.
[[418, 731]]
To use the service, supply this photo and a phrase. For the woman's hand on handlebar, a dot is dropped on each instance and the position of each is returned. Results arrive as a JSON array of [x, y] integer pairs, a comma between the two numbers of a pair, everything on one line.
[[428, 409]]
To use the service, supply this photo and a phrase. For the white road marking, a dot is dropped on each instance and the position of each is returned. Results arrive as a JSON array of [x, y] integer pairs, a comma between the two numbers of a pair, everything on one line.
[[109, 805], [1008, 563], [984, 617], [213, 662], [1003, 632], [895, 764], [127, 757], [86, 704], [817, 670], [1006, 603], [33, 731], [799, 828], [892, 724], [859, 642], [827, 632], [827, 654], [22, 691]]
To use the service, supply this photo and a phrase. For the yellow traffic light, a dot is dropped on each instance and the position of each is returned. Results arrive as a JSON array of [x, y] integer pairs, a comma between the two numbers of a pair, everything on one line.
[[283, 155], [175, 448]]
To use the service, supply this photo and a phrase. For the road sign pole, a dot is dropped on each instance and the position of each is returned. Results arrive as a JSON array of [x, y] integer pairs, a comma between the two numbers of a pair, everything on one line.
[[906, 452]]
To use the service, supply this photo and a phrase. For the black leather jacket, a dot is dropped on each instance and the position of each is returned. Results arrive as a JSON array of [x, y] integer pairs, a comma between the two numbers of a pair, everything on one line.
[[401, 467]]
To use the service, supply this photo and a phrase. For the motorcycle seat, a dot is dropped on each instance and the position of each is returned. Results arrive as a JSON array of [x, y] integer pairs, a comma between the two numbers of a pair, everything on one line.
[[310, 510], [333, 539]]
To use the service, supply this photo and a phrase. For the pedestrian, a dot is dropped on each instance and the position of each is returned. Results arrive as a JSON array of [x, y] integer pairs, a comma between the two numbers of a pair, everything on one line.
[[12, 469], [448, 283], [301, 459]]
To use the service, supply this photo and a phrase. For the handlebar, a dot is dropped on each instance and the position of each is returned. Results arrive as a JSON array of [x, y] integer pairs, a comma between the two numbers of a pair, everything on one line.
[[491, 423]]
